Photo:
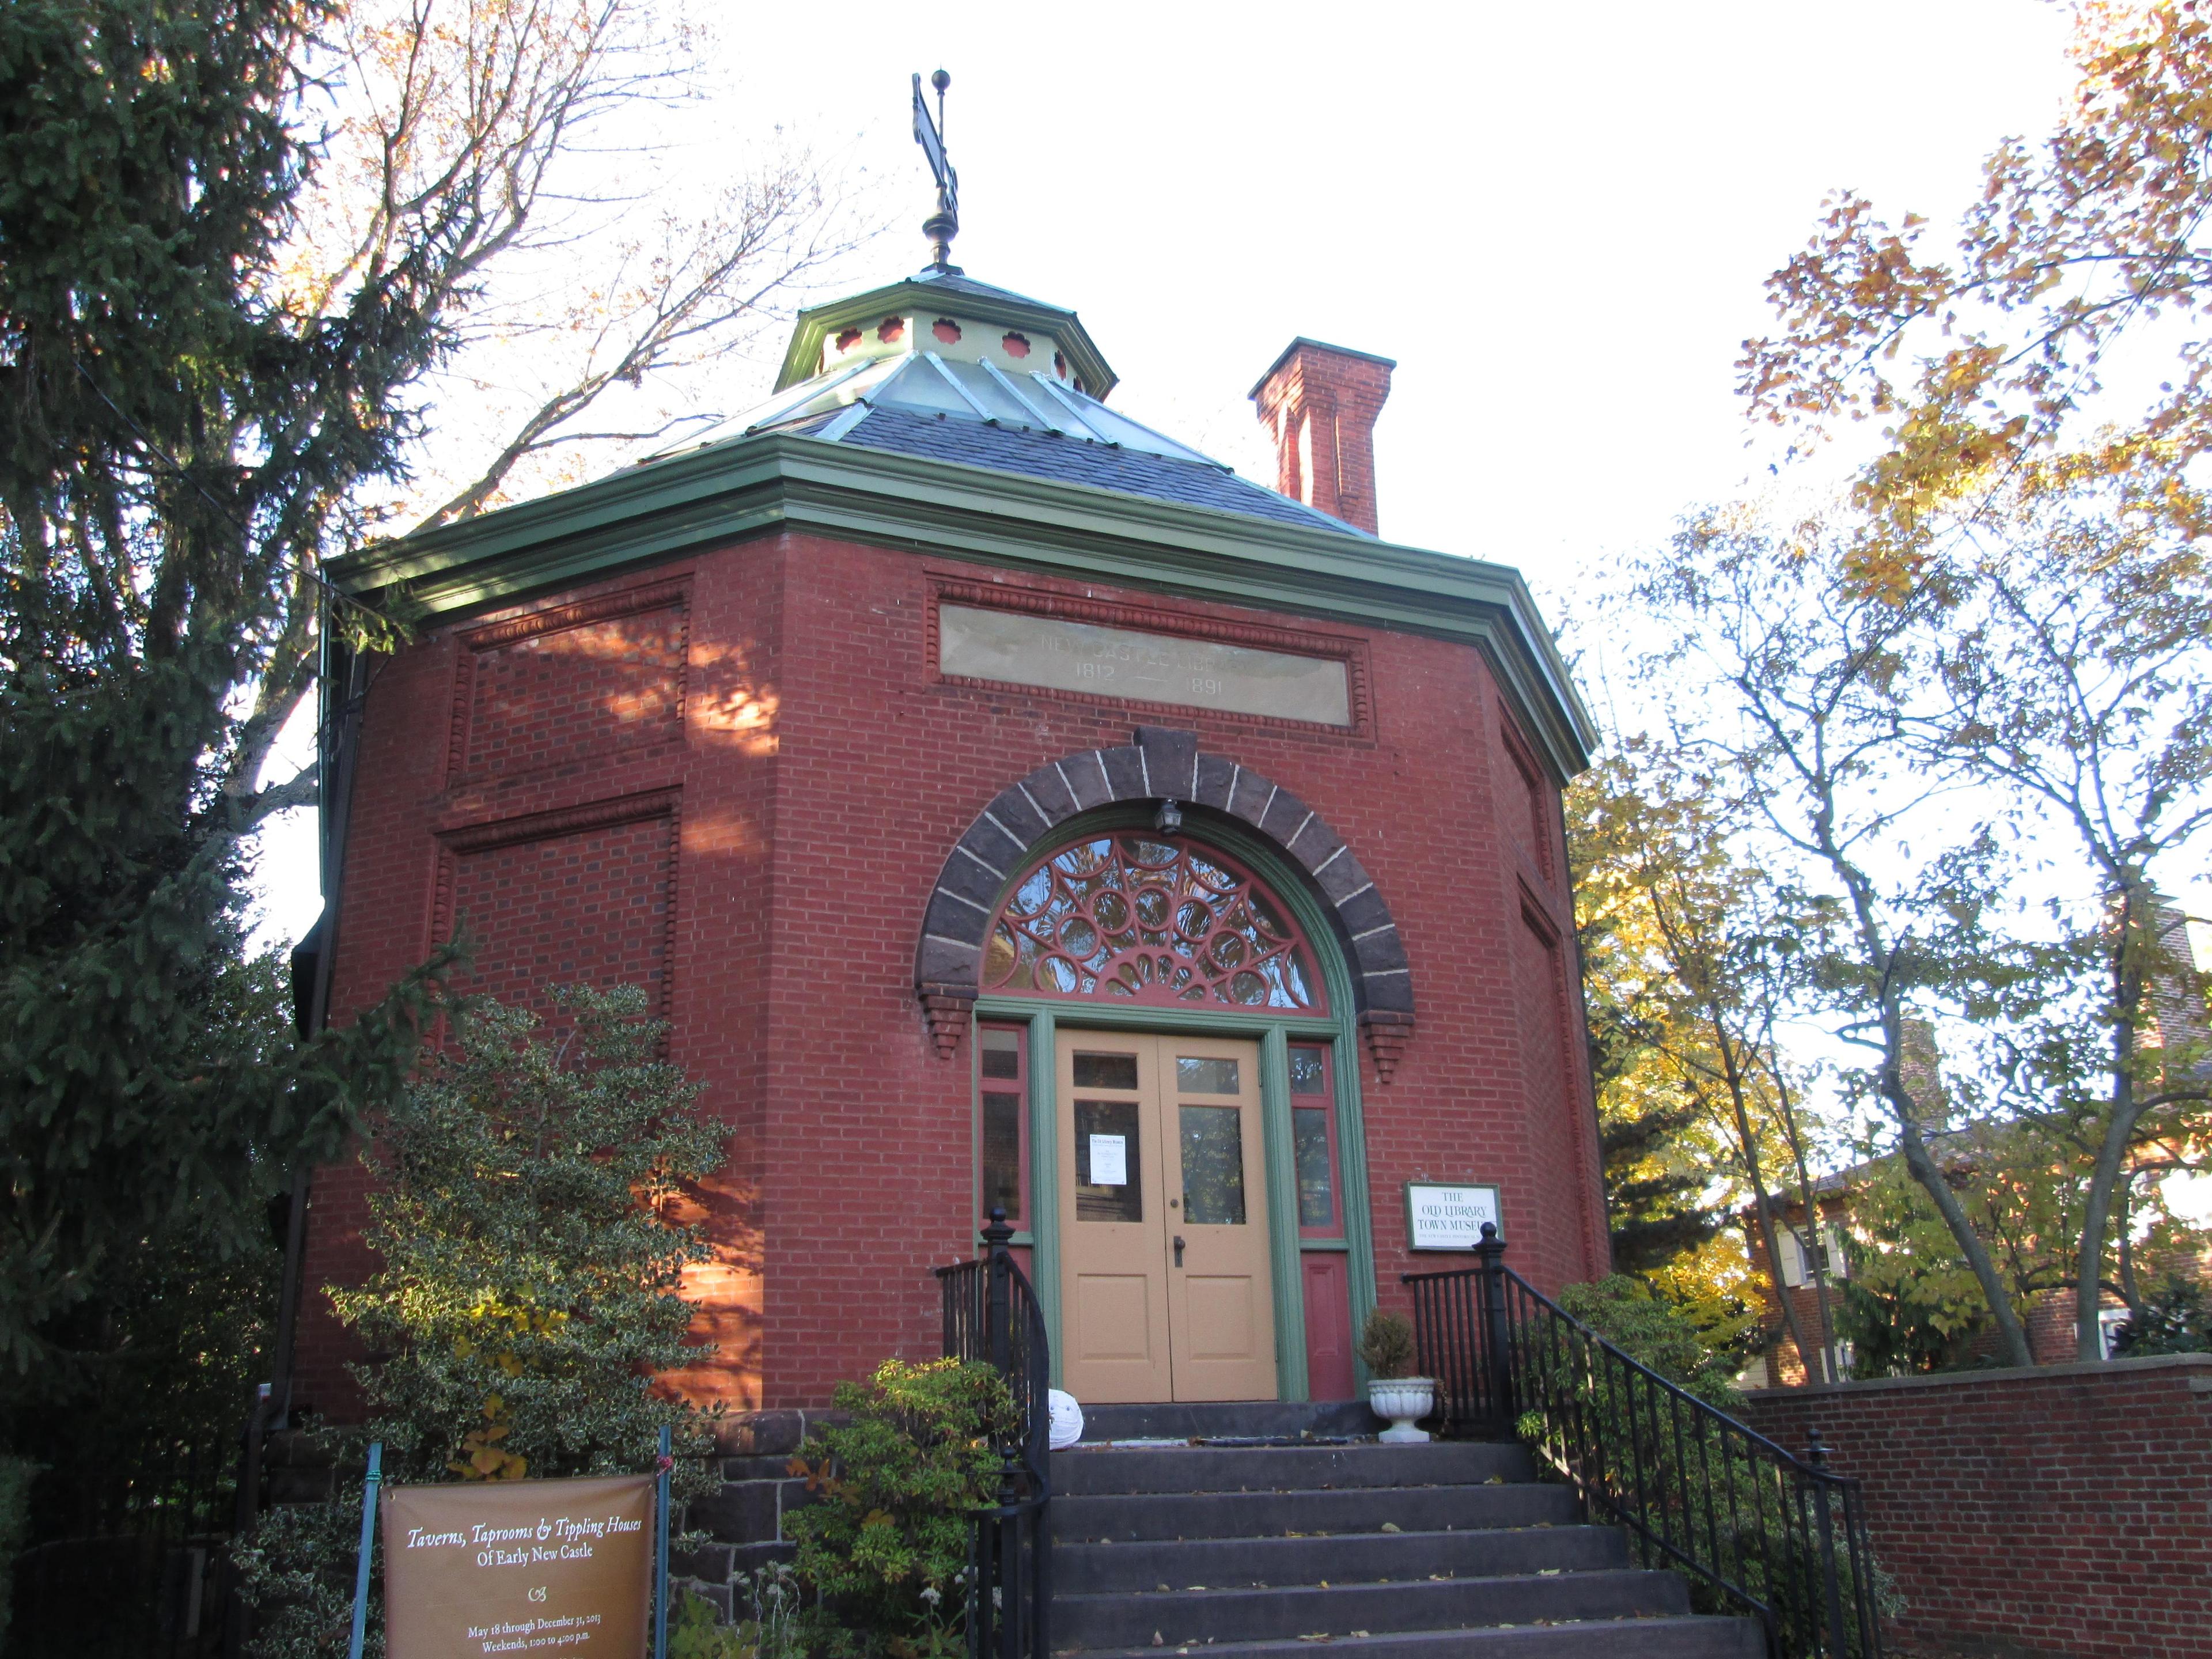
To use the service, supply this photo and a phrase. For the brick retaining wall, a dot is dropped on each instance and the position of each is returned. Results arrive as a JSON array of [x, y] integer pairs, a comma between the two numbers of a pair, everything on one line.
[[2064, 1510]]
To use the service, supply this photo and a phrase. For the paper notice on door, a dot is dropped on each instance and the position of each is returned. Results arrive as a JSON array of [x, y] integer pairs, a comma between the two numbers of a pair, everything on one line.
[[1110, 1160]]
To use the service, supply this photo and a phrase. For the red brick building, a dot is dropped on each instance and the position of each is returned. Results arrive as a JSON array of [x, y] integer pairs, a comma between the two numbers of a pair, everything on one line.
[[1006, 804]]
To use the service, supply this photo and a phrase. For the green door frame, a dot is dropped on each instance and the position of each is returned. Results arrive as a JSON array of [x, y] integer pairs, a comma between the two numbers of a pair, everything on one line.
[[1275, 1031]]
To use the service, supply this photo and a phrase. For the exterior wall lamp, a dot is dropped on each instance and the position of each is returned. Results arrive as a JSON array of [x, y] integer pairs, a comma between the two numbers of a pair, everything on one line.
[[1169, 818]]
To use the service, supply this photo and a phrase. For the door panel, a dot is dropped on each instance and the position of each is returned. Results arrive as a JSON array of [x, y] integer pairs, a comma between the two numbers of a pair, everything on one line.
[[1221, 1308], [1164, 1239], [1113, 1316], [1113, 1277]]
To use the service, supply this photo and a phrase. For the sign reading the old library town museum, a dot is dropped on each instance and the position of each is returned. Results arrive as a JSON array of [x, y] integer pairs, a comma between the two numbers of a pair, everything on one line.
[[530, 1566], [1119, 662], [1449, 1217]]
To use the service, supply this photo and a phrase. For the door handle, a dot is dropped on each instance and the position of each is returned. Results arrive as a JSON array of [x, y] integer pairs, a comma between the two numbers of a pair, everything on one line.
[[1178, 1249]]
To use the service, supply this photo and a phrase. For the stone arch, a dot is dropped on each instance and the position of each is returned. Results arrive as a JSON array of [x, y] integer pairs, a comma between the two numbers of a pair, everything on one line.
[[1162, 764]]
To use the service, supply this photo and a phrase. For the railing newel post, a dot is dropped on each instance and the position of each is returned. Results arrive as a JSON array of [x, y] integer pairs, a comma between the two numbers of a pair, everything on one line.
[[1498, 1337], [1816, 1453]]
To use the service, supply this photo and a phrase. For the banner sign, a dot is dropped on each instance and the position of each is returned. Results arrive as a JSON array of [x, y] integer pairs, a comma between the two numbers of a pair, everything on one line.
[[1441, 1217], [522, 1566]]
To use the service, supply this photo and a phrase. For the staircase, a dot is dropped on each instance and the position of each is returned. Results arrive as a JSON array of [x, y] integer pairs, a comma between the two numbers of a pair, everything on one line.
[[1417, 1552]]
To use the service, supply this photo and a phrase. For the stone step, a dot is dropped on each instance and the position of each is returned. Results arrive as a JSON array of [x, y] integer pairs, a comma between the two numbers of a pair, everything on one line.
[[1134, 1516], [1293, 1613], [1693, 1637], [1234, 1418], [1085, 1471], [1375, 1557]]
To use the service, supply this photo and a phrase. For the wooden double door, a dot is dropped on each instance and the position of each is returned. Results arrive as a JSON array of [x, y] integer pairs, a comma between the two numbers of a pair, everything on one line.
[[1166, 1292]]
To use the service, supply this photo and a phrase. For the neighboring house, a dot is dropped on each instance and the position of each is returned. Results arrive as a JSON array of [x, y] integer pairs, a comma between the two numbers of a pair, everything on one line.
[[2179, 1019]]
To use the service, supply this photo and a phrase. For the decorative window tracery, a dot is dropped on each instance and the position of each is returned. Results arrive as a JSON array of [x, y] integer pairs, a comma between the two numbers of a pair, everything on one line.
[[1134, 918]]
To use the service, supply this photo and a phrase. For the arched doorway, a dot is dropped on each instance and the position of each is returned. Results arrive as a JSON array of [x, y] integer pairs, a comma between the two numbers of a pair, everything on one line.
[[1167, 1096]]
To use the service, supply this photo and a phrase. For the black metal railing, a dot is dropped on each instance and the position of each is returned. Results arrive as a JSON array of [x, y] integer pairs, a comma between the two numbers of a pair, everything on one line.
[[1752, 1526], [991, 1314], [130, 1556]]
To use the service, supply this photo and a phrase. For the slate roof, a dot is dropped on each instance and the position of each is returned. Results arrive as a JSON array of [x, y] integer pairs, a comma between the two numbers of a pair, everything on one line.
[[1076, 460], [972, 402]]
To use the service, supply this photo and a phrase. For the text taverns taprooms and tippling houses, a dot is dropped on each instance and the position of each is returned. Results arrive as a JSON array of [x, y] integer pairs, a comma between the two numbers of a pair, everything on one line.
[[536, 1566]]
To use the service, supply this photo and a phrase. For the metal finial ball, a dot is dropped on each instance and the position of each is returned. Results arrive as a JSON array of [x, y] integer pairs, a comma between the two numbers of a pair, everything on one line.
[[940, 80]]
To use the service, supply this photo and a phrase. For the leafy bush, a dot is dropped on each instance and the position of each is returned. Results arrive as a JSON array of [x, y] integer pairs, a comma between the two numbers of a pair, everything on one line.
[[528, 1285], [529, 1279], [771, 1630], [1655, 1332], [296, 1572], [1386, 1346], [1643, 1455], [1898, 1328], [2176, 1319], [886, 1545]]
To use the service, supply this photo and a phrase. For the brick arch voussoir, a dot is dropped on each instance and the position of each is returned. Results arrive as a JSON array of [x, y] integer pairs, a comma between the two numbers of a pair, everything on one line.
[[1162, 764]]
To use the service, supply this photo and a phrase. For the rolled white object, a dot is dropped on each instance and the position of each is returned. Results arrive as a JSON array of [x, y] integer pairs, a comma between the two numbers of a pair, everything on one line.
[[1066, 1420]]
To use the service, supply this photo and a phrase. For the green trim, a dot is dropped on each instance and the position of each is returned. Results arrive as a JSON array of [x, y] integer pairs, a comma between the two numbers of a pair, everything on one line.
[[1013, 310], [1285, 1275], [721, 493], [1322, 1244], [1123, 1017], [1044, 1154], [1351, 1170], [1275, 1032]]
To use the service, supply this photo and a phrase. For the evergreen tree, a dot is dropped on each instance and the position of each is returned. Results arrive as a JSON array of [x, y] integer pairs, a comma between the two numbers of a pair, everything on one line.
[[177, 450], [244, 244]]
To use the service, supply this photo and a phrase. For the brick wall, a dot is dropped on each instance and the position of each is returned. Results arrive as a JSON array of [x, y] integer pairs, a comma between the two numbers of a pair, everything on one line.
[[768, 849], [2064, 1510]]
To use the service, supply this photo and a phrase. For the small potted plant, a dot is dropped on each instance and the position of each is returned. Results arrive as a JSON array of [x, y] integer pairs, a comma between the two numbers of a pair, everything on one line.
[[1386, 1346]]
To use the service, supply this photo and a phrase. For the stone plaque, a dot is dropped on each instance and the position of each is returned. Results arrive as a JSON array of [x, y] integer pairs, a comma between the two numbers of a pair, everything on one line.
[[523, 1567], [1120, 662]]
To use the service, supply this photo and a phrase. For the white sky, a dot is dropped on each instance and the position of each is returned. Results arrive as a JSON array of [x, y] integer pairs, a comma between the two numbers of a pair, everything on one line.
[[1556, 219]]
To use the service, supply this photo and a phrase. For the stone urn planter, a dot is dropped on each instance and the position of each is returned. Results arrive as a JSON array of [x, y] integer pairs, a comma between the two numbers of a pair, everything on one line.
[[1402, 1400]]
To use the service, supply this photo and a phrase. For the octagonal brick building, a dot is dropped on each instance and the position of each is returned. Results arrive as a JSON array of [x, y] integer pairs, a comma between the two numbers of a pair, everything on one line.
[[1004, 805]]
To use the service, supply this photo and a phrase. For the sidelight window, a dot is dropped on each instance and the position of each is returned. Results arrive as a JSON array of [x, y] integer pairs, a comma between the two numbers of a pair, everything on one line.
[[1005, 1090], [1313, 1139]]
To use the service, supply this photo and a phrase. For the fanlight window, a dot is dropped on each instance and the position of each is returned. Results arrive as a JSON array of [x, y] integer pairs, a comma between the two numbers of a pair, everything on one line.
[[1132, 917]]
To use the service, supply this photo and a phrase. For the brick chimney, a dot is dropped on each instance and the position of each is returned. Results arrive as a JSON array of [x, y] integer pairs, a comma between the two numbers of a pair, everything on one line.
[[1320, 401]]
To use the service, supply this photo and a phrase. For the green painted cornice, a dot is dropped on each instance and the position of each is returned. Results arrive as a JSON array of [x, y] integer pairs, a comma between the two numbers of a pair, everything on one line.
[[803, 359], [748, 486]]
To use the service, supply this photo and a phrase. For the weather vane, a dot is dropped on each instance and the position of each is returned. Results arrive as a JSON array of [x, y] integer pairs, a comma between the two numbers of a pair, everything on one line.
[[942, 226]]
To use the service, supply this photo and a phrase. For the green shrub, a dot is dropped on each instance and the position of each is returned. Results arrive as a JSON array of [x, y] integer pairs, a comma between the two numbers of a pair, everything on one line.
[[296, 1570], [768, 1629], [1655, 1332], [2177, 1318], [885, 1544], [528, 1283], [1386, 1346], [1636, 1450]]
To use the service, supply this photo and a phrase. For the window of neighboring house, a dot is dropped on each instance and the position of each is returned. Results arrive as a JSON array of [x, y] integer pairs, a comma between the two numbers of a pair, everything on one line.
[[2109, 1320], [1004, 1087], [1834, 1260]]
